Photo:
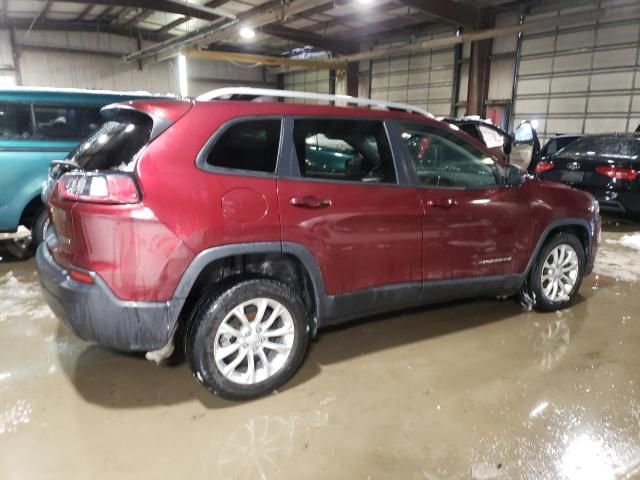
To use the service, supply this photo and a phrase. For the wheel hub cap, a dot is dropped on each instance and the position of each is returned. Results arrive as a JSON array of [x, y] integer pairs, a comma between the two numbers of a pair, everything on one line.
[[254, 341], [560, 273]]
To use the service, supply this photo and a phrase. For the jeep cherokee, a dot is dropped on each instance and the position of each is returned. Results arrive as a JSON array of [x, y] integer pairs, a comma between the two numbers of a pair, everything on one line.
[[242, 227]]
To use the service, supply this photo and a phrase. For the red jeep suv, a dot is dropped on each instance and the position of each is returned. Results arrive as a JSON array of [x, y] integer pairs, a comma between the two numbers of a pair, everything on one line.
[[242, 227]]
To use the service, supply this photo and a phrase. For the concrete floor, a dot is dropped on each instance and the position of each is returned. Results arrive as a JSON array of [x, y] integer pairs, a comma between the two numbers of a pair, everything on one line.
[[472, 390]]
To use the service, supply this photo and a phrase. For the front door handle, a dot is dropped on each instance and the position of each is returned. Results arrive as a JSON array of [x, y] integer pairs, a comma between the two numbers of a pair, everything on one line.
[[309, 201], [443, 203]]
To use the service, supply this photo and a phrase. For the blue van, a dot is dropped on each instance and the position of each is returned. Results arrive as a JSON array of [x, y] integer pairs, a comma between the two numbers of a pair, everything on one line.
[[38, 125]]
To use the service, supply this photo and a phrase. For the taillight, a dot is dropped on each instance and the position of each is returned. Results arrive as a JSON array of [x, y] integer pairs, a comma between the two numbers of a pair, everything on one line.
[[544, 166], [617, 173], [112, 188]]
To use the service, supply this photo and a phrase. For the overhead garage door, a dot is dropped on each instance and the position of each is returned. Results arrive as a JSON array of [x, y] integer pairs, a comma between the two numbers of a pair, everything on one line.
[[584, 79], [424, 80], [315, 81]]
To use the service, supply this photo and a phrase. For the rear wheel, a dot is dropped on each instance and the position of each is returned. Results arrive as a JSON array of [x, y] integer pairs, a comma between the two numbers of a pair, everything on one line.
[[556, 275], [248, 339]]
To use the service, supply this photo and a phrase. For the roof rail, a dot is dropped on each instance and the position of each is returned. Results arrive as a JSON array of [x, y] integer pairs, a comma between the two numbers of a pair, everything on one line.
[[249, 93]]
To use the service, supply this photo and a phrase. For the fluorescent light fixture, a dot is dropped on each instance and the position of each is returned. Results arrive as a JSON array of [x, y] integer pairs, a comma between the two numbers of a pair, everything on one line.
[[247, 33], [183, 82]]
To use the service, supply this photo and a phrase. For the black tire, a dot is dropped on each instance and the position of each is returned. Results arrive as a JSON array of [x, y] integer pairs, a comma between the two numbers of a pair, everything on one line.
[[20, 249], [207, 317], [25, 247], [533, 288], [39, 227]]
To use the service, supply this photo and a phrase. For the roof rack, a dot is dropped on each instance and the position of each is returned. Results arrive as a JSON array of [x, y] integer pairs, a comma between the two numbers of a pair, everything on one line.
[[249, 93]]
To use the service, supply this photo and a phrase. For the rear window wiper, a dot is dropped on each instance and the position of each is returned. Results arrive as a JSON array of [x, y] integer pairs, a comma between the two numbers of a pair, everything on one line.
[[65, 165], [60, 167]]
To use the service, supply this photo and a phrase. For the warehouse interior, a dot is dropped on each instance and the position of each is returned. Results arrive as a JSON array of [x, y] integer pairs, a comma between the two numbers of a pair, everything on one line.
[[475, 389]]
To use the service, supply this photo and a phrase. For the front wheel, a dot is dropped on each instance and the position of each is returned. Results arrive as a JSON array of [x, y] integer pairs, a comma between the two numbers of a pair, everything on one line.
[[247, 340], [556, 275], [39, 227], [23, 246]]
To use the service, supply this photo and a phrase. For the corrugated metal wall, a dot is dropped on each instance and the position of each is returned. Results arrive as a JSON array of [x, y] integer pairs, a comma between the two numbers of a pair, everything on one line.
[[424, 80], [316, 81], [40, 67], [582, 79]]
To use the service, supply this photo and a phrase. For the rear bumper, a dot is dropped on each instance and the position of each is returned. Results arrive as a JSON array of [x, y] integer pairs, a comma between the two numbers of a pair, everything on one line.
[[93, 313], [615, 201]]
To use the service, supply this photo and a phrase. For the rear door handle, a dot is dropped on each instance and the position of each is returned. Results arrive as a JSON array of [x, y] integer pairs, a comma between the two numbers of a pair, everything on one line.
[[443, 203], [310, 201]]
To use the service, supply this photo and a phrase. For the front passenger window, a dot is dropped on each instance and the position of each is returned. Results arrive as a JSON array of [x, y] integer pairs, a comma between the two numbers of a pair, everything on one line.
[[442, 159]]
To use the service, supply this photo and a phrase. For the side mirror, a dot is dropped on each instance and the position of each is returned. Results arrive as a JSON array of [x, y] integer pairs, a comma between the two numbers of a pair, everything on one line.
[[514, 175]]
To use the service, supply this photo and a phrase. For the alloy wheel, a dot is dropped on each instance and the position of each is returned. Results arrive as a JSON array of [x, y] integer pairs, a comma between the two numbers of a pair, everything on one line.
[[254, 341], [560, 273]]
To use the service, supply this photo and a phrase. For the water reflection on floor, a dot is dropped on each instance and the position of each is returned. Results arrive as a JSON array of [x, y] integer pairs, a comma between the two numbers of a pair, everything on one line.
[[471, 390]]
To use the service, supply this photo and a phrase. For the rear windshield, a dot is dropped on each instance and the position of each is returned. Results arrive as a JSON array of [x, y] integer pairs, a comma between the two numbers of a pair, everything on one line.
[[614, 147], [115, 144]]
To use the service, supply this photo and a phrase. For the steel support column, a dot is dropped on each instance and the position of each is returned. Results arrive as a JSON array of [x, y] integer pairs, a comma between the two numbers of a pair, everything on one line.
[[353, 68], [479, 72]]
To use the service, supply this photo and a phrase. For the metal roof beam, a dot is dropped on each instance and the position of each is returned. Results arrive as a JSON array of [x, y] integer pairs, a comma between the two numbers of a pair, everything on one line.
[[447, 10], [308, 38], [73, 26], [85, 12], [221, 31], [179, 7]]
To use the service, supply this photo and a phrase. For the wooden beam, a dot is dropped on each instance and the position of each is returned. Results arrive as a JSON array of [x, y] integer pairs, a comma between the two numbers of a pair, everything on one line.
[[264, 59], [447, 10]]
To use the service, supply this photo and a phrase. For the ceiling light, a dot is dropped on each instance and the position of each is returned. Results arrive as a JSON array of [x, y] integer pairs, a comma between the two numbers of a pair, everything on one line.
[[248, 33], [365, 2]]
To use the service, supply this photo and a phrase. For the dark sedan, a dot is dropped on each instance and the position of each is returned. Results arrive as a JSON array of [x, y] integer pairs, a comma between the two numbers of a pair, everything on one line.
[[606, 166]]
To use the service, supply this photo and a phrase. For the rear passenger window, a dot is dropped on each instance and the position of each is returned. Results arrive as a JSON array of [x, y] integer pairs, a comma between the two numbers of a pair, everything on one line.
[[350, 150], [247, 145], [15, 120]]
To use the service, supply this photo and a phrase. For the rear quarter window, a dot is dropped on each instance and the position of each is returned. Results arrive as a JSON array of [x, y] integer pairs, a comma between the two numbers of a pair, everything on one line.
[[250, 145]]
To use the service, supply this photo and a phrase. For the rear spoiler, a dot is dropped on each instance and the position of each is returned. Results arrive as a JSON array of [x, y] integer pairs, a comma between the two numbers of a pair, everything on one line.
[[163, 113]]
